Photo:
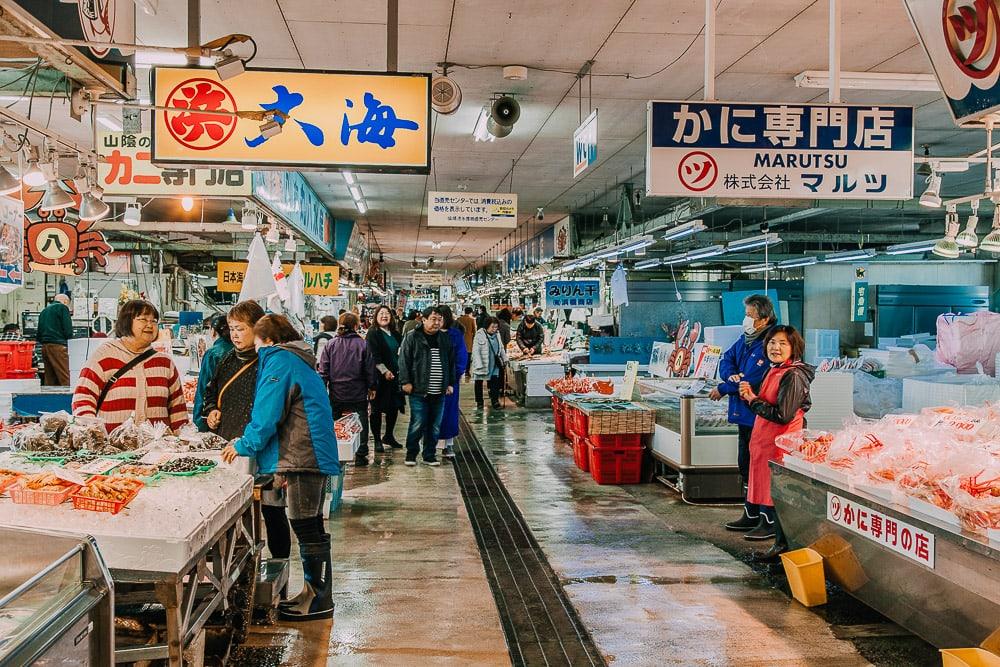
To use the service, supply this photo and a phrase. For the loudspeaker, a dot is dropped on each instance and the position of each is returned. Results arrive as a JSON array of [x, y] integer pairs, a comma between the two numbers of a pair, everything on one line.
[[505, 112]]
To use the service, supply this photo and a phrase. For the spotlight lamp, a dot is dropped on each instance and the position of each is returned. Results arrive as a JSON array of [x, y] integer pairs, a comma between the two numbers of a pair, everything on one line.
[[932, 195], [992, 241], [948, 247], [967, 238], [133, 215]]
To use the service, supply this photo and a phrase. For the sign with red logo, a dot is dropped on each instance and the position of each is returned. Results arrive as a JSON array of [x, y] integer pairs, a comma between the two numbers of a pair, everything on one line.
[[915, 543], [55, 242], [961, 40]]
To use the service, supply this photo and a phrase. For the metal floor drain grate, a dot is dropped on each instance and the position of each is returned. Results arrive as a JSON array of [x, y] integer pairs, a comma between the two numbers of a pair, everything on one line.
[[539, 622]]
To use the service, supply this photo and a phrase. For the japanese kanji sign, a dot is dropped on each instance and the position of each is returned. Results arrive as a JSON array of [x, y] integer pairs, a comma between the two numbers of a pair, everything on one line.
[[572, 293], [961, 41], [915, 543], [320, 280], [859, 302], [126, 168], [331, 120], [585, 144], [789, 151], [472, 209], [424, 280]]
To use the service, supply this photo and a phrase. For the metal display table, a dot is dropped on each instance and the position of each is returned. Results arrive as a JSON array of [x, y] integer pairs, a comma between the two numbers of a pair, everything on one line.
[[949, 595], [187, 543]]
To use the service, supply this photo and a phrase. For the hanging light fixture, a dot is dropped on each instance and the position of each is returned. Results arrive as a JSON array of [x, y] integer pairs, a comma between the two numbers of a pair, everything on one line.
[[9, 183], [290, 244], [992, 241], [133, 215], [55, 198], [273, 234], [968, 238], [231, 217], [91, 206], [798, 262], [251, 219], [187, 203], [34, 176], [947, 247], [925, 167], [932, 195]]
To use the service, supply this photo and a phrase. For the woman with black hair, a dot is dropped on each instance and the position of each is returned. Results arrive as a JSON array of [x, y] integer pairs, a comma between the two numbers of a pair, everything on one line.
[[460, 358], [383, 344], [223, 345], [780, 408]]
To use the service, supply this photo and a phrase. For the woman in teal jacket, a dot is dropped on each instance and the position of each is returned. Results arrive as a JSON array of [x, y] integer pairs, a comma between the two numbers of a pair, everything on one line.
[[291, 435]]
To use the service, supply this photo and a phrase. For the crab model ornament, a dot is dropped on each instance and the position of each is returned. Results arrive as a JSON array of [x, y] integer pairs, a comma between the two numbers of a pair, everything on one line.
[[54, 245]]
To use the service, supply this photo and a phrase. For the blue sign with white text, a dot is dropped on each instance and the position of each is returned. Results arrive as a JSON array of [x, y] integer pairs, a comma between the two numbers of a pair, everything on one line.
[[572, 293]]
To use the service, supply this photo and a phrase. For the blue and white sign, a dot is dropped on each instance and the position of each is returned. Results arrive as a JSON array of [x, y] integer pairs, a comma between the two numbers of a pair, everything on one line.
[[572, 293], [788, 151], [289, 196], [962, 41], [585, 144]]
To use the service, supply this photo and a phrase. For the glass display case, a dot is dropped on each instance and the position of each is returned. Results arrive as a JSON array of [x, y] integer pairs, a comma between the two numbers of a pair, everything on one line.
[[56, 600]]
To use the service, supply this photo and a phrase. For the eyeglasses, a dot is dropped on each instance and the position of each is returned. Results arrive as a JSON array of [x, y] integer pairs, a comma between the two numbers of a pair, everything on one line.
[[147, 320]]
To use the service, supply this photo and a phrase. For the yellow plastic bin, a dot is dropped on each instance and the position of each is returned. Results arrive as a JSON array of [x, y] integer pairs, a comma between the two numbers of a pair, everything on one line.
[[804, 569], [969, 657]]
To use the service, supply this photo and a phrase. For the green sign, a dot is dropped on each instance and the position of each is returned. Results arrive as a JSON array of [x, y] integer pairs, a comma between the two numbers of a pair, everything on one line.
[[859, 302]]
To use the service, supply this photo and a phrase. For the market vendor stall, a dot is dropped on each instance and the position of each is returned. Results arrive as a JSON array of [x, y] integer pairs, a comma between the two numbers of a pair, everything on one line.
[[906, 514], [530, 375]]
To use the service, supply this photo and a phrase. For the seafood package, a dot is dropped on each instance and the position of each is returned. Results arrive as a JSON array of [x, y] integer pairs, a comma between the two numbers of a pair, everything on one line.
[[581, 385], [347, 426]]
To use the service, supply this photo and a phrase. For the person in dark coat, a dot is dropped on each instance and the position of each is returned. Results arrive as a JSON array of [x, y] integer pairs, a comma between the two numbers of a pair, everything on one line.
[[348, 370], [213, 356], [530, 337], [228, 405], [745, 361], [383, 345], [449, 422], [505, 317]]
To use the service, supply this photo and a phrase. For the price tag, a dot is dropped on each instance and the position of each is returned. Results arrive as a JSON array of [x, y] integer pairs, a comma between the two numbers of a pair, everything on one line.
[[901, 421], [71, 476], [98, 467], [152, 458]]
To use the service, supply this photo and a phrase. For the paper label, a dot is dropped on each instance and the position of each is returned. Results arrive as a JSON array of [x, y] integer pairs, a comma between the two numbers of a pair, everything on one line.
[[628, 385], [71, 476], [98, 467], [914, 543]]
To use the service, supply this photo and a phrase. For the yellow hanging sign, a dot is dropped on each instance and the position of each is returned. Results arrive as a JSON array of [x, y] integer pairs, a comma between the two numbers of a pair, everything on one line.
[[320, 280]]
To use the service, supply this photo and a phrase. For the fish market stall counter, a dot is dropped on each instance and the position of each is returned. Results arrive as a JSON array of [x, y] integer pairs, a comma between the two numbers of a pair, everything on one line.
[[187, 543], [531, 375]]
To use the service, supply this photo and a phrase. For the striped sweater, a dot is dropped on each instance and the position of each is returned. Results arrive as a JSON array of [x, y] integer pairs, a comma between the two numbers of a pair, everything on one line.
[[151, 391]]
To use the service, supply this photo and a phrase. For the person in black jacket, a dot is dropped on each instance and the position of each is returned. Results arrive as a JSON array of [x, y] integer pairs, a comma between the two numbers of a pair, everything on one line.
[[427, 375], [228, 404], [384, 340], [529, 336]]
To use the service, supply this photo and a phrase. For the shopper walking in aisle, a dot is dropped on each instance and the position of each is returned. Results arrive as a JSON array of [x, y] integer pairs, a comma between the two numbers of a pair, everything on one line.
[[460, 358], [329, 324], [348, 370], [55, 330], [780, 408], [481, 316], [383, 345], [745, 361], [530, 337], [413, 322], [468, 323], [504, 318], [291, 434], [126, 377], [228, 404], [488, 361], [427, 375], [220, 348]]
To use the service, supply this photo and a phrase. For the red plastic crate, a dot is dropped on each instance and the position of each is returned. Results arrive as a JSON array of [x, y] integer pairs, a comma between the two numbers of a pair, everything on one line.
[[6, 363], [560, 422], [626, 440], [29, 374], [581, 422], [613, 465], [569, 420], [22, 354], [581, 453]]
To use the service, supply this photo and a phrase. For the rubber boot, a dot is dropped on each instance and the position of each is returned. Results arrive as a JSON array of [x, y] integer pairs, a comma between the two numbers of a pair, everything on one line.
[[779, 547], [766, 528], [748, 521], [316, 601]]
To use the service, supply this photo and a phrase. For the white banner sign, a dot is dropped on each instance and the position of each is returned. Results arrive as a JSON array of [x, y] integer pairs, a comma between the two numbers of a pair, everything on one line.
[[421, 280], [11, 244], [472, 209], [960, 38], [585, 144], [125, 169], [786, 151], [915, 543], [563, 241]]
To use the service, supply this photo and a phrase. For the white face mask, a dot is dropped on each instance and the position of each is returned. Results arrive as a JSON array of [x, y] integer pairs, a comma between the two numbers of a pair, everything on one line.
[[748, 325]]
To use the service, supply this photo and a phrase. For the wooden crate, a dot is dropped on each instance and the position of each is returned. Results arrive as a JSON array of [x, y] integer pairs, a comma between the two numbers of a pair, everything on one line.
[[618, 418]]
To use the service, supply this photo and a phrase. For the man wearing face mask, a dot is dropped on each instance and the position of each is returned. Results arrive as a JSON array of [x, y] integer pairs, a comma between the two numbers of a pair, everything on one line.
[[745, 361]]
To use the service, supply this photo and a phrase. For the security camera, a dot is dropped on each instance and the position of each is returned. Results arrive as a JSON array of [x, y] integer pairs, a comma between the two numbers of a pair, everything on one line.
[[540, 214]]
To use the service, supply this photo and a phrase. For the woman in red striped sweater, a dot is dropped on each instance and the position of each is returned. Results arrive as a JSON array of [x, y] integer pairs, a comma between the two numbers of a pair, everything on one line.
[[150, 390]]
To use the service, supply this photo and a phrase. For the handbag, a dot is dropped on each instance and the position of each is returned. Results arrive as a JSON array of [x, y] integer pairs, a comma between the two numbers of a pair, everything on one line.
[[119, 374]]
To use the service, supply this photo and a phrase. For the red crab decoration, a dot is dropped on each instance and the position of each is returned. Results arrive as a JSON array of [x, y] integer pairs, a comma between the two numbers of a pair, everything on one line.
[[54, 245]]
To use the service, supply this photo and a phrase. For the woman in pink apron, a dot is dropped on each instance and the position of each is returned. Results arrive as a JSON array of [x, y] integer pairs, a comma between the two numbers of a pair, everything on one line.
[[780, 406]]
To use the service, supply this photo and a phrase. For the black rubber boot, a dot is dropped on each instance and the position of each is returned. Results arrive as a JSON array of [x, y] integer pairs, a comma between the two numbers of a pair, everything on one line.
[[765, 528], [779, 547], [747, 521], [316, 599]]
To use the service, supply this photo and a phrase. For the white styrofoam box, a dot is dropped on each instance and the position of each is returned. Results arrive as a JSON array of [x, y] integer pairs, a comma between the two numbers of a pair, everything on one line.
[[822, 344], [723, 337], [346, 449], [919, 393], [20, 386], [80, 350], [878, 355], [832, 401]]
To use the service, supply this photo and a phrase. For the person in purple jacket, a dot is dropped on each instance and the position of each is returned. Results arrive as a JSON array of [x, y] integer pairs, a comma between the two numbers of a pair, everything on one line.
[[348, 370], [449, 423], [746, 361]]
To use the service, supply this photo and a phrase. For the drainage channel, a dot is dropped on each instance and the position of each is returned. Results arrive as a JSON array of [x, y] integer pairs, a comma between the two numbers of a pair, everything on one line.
[[539, 622]]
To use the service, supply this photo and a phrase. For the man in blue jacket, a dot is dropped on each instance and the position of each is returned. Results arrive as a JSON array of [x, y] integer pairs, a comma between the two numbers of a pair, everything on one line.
[[745, 361]]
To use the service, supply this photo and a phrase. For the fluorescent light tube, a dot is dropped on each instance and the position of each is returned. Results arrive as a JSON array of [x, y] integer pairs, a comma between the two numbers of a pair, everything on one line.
[[348, 177], [356, 193], [850, 255], [110, 123], [682, 231], [758, 268], [911, 248], [753, 242], [647, 264], [709, 251], [795, 263], [870, 81]]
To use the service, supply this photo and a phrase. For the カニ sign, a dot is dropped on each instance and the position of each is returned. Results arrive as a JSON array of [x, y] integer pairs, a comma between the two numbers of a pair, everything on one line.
[[328, 120]]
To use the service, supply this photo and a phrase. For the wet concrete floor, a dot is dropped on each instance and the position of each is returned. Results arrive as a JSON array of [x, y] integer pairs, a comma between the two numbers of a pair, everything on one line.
[[655, 581]]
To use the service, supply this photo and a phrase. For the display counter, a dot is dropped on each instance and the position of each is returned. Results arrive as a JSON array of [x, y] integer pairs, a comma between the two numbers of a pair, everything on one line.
[[693, 443], [56, 604], [529, 377], [924, 573], [187, 543], [604, 370]]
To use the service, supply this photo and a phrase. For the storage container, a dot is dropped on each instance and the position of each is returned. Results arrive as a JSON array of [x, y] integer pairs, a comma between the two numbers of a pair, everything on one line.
[[619, 440], [969, 657], [616, 465], [804, 569], [821, 344], [22, 354], [581, 452], [98, 505]]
